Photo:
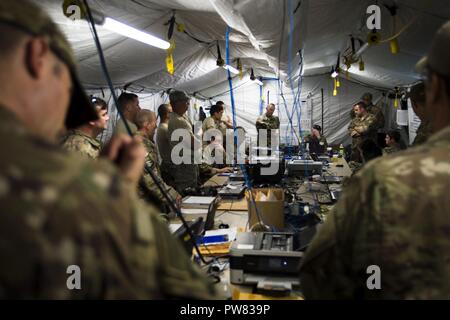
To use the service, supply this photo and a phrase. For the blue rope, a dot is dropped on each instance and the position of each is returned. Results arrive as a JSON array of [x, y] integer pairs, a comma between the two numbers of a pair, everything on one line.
[[260, 100]]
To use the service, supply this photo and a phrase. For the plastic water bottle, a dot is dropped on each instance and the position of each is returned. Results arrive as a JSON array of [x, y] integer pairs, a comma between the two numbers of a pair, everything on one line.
[[341, 150]]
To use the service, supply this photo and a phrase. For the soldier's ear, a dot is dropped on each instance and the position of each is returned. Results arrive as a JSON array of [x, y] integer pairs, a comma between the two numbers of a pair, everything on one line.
[[37, 55], [435, 89]]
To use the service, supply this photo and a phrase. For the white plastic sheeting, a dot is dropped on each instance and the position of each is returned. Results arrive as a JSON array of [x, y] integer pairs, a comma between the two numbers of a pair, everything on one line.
[[260, 38]]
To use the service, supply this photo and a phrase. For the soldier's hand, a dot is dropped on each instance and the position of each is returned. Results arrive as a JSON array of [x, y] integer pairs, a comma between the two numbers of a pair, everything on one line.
[[178, 200], [223, 170], [128, 154]]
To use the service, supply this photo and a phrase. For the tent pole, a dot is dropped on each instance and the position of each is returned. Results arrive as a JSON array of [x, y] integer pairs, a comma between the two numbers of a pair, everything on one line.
[[321, 90]]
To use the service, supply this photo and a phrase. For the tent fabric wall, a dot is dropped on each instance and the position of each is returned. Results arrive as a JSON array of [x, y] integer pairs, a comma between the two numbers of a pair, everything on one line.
[[260, 38]]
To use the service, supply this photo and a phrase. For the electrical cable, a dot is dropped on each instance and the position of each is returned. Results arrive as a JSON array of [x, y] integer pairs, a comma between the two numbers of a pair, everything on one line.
[[167, 197]]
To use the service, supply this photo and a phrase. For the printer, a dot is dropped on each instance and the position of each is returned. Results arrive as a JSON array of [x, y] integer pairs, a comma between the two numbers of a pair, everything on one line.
[[269, 260], [304, 167]]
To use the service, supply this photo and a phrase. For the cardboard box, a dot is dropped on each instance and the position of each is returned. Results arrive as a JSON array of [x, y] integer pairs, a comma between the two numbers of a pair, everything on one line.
[[271, 211]]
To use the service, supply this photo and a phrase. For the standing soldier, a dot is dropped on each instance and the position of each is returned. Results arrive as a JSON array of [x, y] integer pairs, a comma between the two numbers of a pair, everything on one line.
[[84, 138], [375, 110], [268, 122], [362, 128], [146, 125], [388, 236], [186, 173], [59, 210]]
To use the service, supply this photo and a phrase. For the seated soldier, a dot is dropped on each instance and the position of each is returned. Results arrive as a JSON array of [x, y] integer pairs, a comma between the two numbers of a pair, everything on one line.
[[148, 190], [317, 142], [393, 142], [214, 159], [84, 138]]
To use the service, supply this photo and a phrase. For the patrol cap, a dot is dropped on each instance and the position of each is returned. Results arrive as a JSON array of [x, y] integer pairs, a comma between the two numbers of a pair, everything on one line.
[[32, 20], [175, 96], [417, 92], [367, 96], [437, 56]]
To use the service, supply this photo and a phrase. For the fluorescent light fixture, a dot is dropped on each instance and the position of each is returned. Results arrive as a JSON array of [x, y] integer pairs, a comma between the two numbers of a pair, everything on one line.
[[259, 82], [231, 69], [130, 32], [334, 74]]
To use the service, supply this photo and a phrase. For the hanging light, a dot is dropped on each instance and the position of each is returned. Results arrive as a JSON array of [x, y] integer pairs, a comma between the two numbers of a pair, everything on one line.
[[220, 62], [334, 74], [231, 69], [254, 79], [114, 25]]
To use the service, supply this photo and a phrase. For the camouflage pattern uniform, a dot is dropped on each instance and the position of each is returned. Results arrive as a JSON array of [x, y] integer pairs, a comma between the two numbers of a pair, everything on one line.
[[367, 126], [120, 127], [317, 143], [393, 214], [163, 143], [184, 175], [392, 149], [268, 123], [78, 141], [423, 132], [147, 187], [60, 209], [379, 116]]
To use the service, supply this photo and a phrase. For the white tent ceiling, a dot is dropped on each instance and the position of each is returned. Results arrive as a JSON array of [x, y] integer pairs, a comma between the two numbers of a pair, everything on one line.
[[260, 38]]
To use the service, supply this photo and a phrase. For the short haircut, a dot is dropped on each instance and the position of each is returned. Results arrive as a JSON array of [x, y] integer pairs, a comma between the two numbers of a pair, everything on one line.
[[125, 98], [215, 108], [144, 116], [317, 127], [417, 93], [163, 110], [220, 103], [361, 104], [10, 38], [99, 104], [271, 105], [394, 134]]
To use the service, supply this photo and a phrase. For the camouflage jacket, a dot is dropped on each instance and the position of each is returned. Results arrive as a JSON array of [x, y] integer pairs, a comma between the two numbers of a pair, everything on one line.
[[60, 209], [392, 149], [78, 141], [185, 175], [147, 184], [423, 133], [269, 123], [394, 215], [379, 116], [366, 127]]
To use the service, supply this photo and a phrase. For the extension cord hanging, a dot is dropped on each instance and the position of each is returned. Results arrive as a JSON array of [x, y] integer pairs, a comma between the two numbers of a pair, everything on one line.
[[147, 168]]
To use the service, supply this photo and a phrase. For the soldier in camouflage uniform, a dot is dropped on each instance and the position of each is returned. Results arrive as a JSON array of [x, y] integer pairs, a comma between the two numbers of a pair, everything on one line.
[[362, 128], [392, 142], [317, 142], [129, 106], [375, 110], [268, 122], [185, 174], [83, 139], [417, 96], [58, 209], [393, 214], [146, 124]]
